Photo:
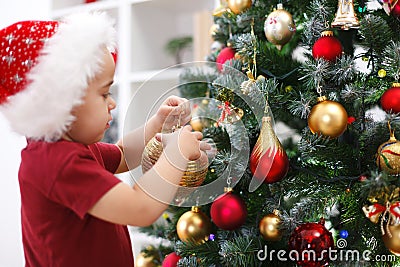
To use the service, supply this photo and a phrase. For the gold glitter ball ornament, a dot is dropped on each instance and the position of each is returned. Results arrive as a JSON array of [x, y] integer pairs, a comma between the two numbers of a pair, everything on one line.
[[194, 226], [270, 226], [196, 170], [328, 118], [388, 155], [279, 27]]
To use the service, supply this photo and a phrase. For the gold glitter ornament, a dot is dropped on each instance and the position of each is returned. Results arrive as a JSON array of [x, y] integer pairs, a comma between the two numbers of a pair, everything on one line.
[[381, 73], [194, 226], [388, 155], [279, 27], [196, 170]]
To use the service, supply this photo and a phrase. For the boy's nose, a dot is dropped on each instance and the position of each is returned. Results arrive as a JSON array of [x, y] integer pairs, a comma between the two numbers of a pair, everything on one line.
[[112, 104]]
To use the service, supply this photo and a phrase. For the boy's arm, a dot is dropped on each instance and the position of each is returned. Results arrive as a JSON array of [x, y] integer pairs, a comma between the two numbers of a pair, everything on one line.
[[133, 144], [151, 195]]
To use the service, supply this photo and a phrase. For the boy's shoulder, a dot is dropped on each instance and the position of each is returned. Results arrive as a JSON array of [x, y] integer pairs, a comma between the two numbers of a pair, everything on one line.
[[61, 146]]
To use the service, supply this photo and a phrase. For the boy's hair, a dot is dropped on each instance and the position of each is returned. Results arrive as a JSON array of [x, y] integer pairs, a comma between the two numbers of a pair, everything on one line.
[[45, 67]]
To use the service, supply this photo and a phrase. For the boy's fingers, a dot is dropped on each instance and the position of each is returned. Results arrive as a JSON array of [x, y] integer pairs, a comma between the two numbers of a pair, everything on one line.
[[158, 137], [205, 146]]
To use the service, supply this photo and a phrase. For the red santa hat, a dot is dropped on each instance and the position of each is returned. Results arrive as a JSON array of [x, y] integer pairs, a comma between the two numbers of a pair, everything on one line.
[[45, 67]]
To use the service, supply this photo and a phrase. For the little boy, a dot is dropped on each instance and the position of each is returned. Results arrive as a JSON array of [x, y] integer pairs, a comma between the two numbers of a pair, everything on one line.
[[55, 80]]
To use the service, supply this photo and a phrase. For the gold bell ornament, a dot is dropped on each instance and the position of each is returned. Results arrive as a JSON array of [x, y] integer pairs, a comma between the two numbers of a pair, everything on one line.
[[388, 155], [328, 118], [194, 226], [221, 9], [279, 27], [345, 18], [390, 223], [196, 170]]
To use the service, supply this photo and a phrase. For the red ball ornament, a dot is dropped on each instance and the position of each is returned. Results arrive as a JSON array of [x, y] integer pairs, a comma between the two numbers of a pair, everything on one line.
[[390, 100], [171, 260], [228, 211], [226, 54], [327, 47], [315, 240]]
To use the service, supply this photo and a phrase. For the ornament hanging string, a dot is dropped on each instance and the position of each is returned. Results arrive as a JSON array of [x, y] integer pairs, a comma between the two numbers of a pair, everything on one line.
[[254, 41], [319, 89], [178, 125]]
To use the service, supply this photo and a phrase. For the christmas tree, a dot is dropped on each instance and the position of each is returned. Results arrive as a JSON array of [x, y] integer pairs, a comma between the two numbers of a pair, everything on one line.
[[329, 194]]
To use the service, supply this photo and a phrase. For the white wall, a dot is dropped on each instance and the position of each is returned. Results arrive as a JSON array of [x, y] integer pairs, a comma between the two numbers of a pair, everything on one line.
[[11, 252]]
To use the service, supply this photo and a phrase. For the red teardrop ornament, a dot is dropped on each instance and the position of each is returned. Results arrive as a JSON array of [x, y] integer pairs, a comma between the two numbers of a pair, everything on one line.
[[268, 160]]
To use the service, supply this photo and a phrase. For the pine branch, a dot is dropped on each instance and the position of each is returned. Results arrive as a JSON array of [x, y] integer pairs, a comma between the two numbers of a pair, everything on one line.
[[375, 34], [391, 59], [315, 73], [239, 252]]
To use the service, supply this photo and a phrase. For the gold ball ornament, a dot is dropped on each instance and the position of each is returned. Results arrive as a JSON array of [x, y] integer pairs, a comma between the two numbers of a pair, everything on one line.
[[196, 170], [238, 6], [270, 227], [328, 118], [194, 226], [391, 239], [198, 124], [388, 156], [381, 73], [279, 27], [288, 88], [149, 260], [199, 120]]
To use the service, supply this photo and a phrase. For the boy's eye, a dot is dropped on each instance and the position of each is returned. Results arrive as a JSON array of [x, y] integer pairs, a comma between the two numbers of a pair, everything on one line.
[[106, 95]]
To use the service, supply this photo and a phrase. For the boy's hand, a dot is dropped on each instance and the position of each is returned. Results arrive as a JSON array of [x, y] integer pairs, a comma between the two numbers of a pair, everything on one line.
[[172, 112], [183, 145]]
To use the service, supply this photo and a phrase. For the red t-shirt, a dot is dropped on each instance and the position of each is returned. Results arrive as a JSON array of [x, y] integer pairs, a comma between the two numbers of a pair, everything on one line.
[[59, 183]]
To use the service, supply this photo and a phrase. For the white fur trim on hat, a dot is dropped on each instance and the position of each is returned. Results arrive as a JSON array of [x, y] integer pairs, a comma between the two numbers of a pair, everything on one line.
[[69, 59]]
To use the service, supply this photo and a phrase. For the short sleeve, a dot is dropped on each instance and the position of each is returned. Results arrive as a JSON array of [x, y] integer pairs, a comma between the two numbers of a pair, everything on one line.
[[109, 154], [81, 182]]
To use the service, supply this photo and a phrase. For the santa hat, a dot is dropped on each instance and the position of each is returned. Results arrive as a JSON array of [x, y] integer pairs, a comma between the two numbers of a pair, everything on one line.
[[45, 67]]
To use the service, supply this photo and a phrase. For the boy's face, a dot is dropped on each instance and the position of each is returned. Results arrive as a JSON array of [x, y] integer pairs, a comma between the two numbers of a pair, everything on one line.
[[92, 118]]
